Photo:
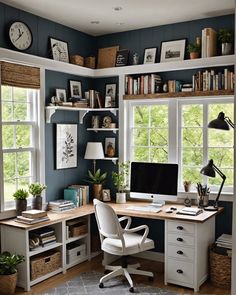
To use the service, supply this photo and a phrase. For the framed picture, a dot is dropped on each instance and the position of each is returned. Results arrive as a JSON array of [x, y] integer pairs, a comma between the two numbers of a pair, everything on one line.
[[75, 89], [66, 146], [111, 90], [150, 55], [59, 50], [110, 148], [173, 50], [61, 95], [108, 101], [106, 195], [122, 57]]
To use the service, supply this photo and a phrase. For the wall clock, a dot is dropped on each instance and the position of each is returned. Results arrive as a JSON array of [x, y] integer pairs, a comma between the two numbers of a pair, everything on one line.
[[20, 35]]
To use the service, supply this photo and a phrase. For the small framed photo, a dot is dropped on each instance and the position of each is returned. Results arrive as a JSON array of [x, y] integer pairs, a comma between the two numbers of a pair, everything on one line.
[[110, 148], [122, 57], [150, 55], [173, 50], [108, 101], [75, 89], [61, 95], [106, 195], [111, 90], [59, 50]]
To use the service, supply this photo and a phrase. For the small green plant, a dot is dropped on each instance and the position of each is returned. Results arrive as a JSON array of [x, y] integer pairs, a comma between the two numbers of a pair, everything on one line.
[[8, 263], [194, 47], [36, 188], [120, 178], [226, 36], [20, 194], [97, 178]]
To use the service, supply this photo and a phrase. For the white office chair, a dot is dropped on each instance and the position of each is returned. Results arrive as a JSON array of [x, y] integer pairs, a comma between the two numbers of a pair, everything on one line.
[[121, 242]]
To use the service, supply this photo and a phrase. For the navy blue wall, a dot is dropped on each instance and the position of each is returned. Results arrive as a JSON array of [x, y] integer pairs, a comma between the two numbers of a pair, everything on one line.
[[85, 45]]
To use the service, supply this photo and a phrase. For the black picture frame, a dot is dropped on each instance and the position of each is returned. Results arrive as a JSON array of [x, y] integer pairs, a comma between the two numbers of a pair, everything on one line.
[[173, 50], [59, 49], [149, 56], [122, 57]]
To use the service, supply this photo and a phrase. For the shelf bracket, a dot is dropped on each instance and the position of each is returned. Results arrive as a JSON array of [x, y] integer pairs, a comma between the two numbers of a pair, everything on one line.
[[49, 113], [114, 161], [114, 112], [82, 113]]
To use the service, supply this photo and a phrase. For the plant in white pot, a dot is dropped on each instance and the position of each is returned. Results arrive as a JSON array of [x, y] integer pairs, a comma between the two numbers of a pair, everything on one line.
[[35, 189], [226, 37], [8, 272], [120, 180]]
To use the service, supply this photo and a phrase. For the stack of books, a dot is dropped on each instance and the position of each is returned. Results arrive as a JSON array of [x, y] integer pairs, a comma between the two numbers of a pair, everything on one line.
[[209, 40], [32, 216], [187, 87], [45, 236], [60, 205], [224, 244], [82, 192]]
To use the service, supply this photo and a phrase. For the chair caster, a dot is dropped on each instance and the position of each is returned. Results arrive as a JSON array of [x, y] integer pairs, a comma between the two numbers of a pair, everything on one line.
[[131, 289], [151, 279], [101, 285]]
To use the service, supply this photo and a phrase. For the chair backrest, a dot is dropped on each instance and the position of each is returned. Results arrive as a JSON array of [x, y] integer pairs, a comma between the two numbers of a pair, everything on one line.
[[107, 221]]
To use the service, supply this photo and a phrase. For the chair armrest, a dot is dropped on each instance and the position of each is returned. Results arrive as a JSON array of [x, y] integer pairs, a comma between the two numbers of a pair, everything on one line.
[[128, 221], [138, 228]]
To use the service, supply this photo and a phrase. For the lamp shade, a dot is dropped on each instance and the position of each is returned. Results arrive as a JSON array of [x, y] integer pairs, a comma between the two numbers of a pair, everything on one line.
[[94, 151], [208, 170], [219, 123]]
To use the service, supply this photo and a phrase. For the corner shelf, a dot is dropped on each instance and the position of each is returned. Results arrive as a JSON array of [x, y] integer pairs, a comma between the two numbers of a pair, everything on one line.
[[50, 110], [114, 130], [114, 159]]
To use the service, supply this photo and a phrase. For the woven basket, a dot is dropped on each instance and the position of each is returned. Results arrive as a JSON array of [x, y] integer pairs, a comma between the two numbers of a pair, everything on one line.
[[8, 284], [220, 269]]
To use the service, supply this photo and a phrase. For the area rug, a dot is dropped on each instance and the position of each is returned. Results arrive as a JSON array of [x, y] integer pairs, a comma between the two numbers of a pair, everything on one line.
[[87, 283]]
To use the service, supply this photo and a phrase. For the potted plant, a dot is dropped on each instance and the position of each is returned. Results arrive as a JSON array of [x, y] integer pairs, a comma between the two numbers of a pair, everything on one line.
[[8, 272], [226, 37], [35, 189], [194, 50], [20, 196], [120, 180], [97, 179]]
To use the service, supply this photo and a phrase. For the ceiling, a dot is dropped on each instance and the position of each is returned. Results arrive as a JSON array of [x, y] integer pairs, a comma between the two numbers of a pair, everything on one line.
[[134, 14]]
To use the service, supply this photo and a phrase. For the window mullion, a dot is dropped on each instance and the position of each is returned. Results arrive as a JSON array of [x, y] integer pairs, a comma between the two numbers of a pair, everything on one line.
[[205, 137]]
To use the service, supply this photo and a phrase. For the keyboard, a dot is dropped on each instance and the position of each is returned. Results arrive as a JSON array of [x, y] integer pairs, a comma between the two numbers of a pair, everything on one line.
[[144, 208]]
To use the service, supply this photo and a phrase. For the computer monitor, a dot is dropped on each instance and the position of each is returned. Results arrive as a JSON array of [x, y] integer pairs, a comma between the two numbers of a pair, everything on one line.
[[156, 181]]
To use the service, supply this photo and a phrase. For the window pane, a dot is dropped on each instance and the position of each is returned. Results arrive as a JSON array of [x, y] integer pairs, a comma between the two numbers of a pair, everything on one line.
[[215, 109], [20, 94], [219, 138], [158, 137], [21, 111], [192, 137], [218, 180], [159, 155], [23, 136], [141, 116], [6, 93], [159, 116], [192, 174], [23, 163], [7, 111], [140, 154], [8, 136], [222, 157], [9, 189], [140, 137], [9, 161], [24, 183], [192, 156], [192, 115]]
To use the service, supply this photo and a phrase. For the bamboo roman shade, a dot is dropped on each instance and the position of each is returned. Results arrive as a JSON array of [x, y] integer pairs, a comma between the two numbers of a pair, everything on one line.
[[20, 75]]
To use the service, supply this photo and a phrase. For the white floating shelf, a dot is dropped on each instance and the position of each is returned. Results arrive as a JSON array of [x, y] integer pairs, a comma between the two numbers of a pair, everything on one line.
[[73, 239], [43, 249], [111, 159], [114, 130]]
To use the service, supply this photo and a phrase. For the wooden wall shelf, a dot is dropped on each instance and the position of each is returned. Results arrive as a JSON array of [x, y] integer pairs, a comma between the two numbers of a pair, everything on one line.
[[179, 94]]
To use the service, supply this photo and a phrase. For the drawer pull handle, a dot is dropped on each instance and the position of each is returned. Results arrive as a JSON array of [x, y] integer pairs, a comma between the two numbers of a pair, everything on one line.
[[180, 252], [179, 271], [180, 227], [179, 239]]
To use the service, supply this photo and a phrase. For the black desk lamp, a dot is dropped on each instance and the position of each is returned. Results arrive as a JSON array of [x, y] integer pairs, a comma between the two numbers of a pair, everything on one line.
[[209, 170], [221, 122]]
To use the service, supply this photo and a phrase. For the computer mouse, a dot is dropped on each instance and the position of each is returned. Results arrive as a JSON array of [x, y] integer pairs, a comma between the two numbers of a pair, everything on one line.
[[168, 211], [173, 208]]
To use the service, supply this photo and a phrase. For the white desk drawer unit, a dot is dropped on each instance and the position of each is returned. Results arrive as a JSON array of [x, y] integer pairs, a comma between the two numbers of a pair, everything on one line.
[[186, 252]]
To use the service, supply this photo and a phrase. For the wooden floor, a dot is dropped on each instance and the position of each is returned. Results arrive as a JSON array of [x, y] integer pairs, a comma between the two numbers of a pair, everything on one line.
[[95, 264]]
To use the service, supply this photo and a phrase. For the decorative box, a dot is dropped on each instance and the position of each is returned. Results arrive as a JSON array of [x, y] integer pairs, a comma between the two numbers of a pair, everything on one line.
[[90, 62], [75, 252], [77, 60]]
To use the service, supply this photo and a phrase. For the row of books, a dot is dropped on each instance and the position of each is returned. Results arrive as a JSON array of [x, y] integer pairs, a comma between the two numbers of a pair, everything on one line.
[[209, 42], [210, 80], [32, 216], [78, 194], [42, 237], [60, 205], [144, 84]]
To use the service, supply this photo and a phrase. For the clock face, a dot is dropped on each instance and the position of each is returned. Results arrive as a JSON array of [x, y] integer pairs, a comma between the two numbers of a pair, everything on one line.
[[20, 35]]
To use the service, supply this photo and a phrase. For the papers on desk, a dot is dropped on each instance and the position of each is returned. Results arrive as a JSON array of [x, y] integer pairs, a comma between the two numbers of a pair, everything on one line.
[[148, 208], [190, 211]]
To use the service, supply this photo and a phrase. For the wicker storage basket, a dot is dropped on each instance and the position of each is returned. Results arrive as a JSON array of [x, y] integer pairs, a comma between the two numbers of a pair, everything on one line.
[[45, 263], [77, 60], [220, 269], [79, 230], [90, 62]]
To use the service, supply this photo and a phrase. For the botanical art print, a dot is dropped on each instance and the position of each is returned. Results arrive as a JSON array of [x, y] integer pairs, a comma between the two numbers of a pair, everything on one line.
[[66, 156]]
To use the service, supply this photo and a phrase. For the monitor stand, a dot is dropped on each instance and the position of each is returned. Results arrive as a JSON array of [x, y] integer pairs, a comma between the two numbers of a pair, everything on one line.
[[156, 202]]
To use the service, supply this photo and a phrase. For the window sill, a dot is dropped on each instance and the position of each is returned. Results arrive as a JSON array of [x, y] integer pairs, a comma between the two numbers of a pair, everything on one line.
[[228, 197]]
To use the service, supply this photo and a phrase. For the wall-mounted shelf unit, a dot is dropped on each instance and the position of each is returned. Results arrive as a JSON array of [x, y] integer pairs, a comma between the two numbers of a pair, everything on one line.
[[114, 159], [50, 110], [114, 130]]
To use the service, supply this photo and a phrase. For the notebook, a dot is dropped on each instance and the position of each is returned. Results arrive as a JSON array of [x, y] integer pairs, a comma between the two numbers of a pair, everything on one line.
[[190, 211]]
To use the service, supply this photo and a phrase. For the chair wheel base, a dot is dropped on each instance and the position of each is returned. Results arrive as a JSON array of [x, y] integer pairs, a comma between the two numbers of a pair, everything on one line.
[[106, 271], [101, 285], [131, 289], [151, 279]]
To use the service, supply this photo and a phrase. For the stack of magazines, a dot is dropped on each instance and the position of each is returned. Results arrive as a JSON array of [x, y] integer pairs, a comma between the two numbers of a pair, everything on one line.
[[32, 216], [224, 244], [60, 205]]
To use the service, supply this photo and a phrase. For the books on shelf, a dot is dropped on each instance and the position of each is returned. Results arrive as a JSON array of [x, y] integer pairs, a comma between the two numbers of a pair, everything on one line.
[[27, 220], [144, 84], [209, 42], [82, 193], [34, 213], [42, 237]]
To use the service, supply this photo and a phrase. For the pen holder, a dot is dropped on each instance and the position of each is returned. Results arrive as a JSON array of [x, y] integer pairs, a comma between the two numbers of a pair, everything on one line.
[[202, 201]]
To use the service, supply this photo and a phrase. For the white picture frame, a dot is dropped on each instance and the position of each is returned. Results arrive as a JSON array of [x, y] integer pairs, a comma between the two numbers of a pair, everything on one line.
[[173, 50], [66, 146], [106, 195], [150, 55], [59, 49], [61, 95]]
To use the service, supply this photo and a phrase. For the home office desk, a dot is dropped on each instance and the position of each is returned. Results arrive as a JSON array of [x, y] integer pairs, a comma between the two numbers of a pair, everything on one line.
[[186, 242]]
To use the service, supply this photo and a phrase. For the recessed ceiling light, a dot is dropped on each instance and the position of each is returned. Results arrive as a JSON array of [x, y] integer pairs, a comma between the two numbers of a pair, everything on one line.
[[117, 8], [119, 24], [95, 22]]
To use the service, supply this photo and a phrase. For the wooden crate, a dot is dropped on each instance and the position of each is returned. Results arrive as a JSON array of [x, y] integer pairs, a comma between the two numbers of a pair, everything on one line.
[[90, 62], [45, 263], [77, 60]]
